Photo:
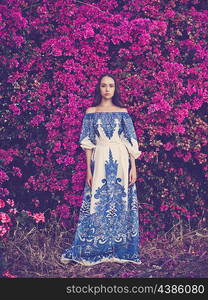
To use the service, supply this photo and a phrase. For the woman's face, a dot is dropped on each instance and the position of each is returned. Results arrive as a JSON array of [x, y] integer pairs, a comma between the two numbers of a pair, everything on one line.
[[107, 87]]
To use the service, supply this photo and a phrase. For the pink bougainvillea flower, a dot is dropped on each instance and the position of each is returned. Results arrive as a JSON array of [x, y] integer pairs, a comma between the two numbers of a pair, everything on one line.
[[17, 171], [63, 211], [187, 157], [2, 203], [10, 202], [13, 211], [3, 230], [3, 177], [8, 274], [15, 109], [29, 214], [39, 217], [168, 146], [4, 218]]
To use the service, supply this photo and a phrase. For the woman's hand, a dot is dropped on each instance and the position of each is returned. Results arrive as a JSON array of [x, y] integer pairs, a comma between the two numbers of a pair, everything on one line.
[[132, 175], [89, 178]]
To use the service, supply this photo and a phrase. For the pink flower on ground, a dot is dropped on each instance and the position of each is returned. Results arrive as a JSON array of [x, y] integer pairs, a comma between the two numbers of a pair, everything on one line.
[[8, 274], [39, 217]]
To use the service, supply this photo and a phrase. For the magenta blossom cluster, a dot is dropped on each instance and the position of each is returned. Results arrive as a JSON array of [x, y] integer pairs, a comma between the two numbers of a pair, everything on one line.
[[52, 54]]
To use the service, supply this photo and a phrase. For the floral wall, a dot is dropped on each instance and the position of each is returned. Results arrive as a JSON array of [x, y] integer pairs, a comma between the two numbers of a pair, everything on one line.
[[52, 53]]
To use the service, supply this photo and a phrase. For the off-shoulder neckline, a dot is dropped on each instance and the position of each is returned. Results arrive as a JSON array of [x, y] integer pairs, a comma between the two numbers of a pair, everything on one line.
[[107, 112]]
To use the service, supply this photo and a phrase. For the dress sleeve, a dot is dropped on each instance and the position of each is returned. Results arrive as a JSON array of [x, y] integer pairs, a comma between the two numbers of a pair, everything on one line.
[[87, 136], [128, 136]]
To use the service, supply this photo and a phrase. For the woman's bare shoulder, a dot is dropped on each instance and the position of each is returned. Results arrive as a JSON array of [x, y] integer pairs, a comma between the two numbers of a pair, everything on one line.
[[124, 109], [90, 110]]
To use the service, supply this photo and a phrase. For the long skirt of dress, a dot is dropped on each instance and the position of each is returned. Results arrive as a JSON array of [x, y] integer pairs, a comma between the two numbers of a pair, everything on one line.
[[108, 226]]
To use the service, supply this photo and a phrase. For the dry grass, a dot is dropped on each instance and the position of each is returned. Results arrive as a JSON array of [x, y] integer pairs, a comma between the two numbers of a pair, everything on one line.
[[35, 253]]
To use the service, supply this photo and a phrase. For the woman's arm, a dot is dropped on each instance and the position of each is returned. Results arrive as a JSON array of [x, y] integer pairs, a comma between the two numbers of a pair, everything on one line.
[[132, 159], [88, 156]]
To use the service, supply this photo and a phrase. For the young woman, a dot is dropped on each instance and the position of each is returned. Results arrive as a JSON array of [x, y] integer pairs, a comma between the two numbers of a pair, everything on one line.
[[108, 227]]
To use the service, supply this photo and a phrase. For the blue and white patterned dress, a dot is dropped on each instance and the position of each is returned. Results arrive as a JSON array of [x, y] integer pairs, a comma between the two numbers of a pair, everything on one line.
[[108, 226]]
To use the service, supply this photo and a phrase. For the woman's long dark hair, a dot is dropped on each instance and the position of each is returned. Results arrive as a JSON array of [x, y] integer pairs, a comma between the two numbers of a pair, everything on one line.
[[116, 99]]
